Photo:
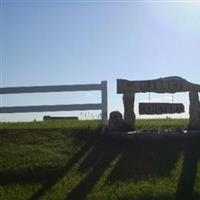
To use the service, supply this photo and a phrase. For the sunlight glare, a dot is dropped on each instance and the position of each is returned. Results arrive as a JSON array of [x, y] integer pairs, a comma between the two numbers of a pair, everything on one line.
[[184, 18]]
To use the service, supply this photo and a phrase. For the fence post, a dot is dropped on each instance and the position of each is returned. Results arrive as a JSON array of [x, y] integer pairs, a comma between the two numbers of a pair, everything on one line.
[[104, 100]]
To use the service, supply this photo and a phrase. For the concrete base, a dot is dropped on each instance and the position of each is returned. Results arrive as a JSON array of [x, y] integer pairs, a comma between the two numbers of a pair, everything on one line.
[[136, 135]]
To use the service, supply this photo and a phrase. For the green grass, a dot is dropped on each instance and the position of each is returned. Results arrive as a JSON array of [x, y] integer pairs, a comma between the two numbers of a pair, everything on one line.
[[162, 124], [63, 160]]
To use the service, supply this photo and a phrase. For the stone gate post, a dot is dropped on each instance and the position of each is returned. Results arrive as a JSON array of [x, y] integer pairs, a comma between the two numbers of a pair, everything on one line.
[[129, 115], [194, 110]]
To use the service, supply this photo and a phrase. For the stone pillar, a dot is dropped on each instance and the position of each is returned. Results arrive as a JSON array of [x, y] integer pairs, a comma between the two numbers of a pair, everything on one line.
[[129, 115], [194, 110]]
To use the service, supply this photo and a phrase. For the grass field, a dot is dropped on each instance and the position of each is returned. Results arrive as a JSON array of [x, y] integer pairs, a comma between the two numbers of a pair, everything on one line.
[[62, 160]]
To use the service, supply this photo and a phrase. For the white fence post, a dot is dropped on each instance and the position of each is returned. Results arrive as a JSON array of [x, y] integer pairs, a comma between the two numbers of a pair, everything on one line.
[[104, 100]]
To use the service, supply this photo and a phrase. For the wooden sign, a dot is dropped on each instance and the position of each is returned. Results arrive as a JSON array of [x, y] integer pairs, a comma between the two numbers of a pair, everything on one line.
[[162, 85], [160, 108]]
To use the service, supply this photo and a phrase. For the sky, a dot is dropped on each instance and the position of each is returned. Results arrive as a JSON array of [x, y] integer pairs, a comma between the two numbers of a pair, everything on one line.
[[63, 42]]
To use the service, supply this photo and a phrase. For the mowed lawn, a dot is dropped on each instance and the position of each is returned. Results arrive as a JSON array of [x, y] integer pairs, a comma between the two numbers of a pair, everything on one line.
[[72, 160]]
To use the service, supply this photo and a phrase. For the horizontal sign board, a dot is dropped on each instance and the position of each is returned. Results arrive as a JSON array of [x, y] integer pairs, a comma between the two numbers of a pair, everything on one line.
[[160, 108], [161, 85]]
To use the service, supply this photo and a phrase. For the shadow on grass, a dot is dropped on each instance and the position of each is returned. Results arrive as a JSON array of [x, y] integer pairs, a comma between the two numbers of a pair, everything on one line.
[[49, 177], [104, 152], [139, 160], [89, 138], [147, 158], [189, 172], [62, 173]]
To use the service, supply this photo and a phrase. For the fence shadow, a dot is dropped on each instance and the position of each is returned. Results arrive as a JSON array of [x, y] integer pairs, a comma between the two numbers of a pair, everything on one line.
[[143, 159], [138, 160], [103, 153], [49, 177], [89, 138], [185, 188]]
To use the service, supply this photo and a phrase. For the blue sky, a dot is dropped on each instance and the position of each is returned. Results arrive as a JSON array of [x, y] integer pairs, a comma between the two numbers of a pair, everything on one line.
[[73, 42]]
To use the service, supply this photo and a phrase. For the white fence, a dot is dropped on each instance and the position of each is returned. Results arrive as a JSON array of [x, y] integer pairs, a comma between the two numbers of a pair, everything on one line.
[[59, 88]]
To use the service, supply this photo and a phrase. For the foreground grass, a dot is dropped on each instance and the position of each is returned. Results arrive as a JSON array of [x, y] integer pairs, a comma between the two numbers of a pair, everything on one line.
[[73, 160]]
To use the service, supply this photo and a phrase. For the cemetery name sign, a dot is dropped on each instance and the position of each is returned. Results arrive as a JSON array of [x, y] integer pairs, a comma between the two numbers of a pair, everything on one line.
[[160, 108], [161, 85]]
